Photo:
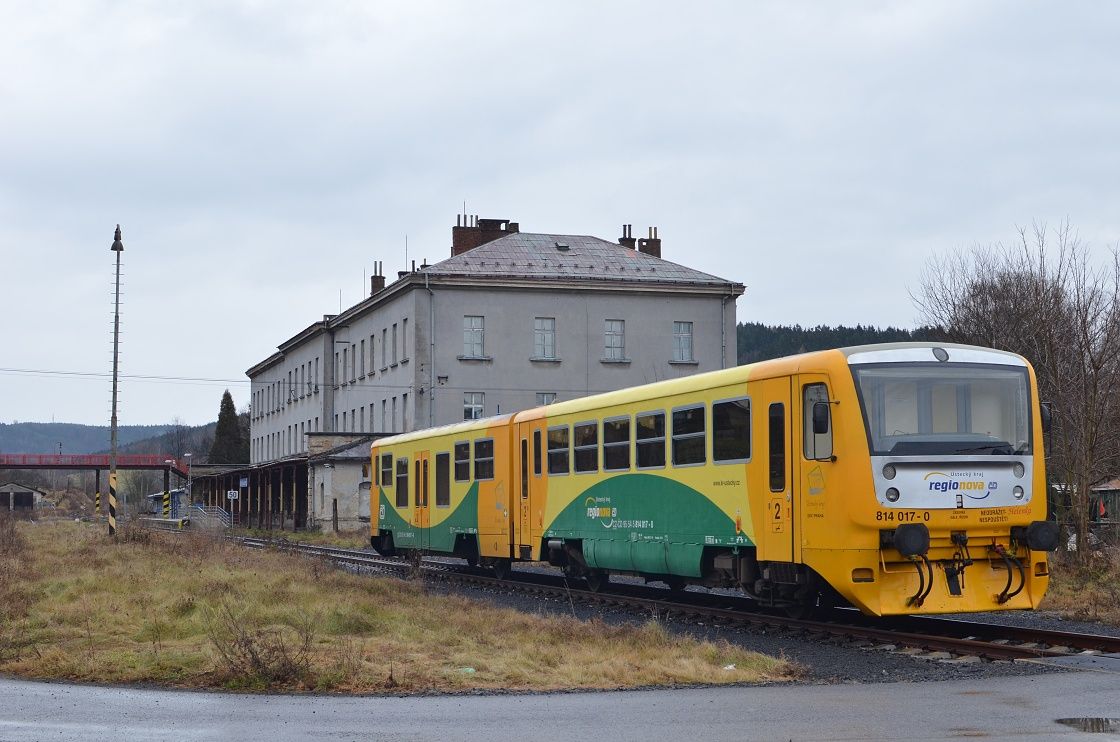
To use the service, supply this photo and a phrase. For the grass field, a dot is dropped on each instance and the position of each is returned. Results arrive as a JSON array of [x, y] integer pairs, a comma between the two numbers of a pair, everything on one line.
[[1090, 591], [195, 611]]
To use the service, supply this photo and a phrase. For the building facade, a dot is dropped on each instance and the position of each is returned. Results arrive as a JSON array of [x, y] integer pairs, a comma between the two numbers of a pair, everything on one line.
[[510, 321]]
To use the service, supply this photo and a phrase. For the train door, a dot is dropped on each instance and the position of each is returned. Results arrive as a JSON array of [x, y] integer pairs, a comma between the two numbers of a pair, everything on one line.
[[530, 482], [778, 485], [814, 454], [420, 491]]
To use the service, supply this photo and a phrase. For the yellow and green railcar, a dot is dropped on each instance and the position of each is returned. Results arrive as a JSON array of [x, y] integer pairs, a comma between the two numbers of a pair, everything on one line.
[[900, 478]]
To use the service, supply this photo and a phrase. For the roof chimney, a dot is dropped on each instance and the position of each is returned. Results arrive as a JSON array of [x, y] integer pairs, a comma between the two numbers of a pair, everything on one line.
[[469, 232], [650, 245], [377, 280], [627, 238]]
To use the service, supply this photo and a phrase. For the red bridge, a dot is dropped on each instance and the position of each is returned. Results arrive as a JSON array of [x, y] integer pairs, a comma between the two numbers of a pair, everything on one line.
[[96, 461]]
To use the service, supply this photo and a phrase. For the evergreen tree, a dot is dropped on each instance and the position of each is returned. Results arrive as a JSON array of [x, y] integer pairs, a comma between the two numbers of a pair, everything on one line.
[[229, 446]]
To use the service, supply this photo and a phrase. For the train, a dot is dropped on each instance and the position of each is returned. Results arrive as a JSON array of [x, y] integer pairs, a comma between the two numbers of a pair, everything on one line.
[[899, 478]]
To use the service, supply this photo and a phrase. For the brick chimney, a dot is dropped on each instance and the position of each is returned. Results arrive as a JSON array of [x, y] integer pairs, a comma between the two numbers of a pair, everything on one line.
[[650, 245], [627, 238], [469, 232], [377, 280]]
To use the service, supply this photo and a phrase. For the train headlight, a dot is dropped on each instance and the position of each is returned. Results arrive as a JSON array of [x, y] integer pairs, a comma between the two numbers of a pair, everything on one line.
[[889, 471], [1018, 492], [1019, 470], [892, 494]]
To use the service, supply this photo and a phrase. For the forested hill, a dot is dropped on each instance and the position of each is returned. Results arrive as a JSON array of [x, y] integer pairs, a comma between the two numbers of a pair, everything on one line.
[[45, 437], [758, 342]]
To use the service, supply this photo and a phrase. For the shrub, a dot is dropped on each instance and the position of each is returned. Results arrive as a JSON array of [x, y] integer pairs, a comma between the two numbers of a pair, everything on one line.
[[258, 655]]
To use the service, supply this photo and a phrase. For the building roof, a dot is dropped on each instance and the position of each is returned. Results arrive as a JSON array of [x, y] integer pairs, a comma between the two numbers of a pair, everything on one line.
[[527, 255], [14, 486]]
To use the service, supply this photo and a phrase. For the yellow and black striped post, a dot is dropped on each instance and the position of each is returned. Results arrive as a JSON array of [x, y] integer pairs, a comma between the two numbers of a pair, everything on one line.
[[112, 502], [167, 493], [96, 492]]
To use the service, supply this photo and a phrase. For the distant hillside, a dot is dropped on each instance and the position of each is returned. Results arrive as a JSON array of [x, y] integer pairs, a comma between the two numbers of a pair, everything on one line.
[[178, 440], [45, 437], [758, 342]]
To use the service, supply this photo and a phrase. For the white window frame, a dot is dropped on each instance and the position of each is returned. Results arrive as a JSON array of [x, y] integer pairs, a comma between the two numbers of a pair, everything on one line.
[[475, 402], [683, 351], [614, 339], [474, 336], [544, 337]]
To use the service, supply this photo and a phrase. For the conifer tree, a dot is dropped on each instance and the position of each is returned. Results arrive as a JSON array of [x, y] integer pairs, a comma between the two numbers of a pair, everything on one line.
[[228, 446]]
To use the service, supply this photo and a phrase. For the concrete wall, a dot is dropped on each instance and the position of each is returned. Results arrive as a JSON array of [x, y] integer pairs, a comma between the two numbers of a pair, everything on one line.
[[510, 378]]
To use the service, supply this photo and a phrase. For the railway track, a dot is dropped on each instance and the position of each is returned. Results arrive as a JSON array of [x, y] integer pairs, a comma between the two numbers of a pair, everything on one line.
[[941, 638]]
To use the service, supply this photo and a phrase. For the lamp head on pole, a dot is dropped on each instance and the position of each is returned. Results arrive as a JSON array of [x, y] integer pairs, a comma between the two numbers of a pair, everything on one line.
[[118, 246]]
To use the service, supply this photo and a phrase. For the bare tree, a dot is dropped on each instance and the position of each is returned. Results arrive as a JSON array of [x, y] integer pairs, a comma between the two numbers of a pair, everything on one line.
[[1044, 298]]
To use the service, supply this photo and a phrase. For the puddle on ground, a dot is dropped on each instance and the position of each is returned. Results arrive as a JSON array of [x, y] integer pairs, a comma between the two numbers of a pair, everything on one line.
[[1092, 724]]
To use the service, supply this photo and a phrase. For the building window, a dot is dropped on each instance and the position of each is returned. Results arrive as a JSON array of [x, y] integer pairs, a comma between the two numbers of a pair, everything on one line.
[[394, 420], [394, 343], [384, 416], [462, 462], [614, 340], [544, 337], [682, 341], [345, 363], [384, 348], [544, 398], [473, 336], [405, 419], [404, 339], [372, 353], [649, 432], [353, 363], [337, 368], [362, 363], [484, 458], [558, 450], [473, 405]]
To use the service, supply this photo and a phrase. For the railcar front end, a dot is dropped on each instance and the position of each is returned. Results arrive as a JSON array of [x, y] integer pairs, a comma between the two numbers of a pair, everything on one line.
[[950, 515]]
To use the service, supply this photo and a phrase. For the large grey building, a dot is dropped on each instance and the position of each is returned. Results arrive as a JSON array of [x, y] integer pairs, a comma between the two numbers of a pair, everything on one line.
[[509, 321]]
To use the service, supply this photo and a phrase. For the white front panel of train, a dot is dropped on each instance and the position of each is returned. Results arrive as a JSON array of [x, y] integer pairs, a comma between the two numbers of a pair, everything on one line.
[[937, 485]]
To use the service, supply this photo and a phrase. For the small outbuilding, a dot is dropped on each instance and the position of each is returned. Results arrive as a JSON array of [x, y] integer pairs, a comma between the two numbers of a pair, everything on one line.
[[19, 498]]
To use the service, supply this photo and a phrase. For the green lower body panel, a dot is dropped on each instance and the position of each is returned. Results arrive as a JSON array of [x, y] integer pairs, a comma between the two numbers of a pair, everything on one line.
[[646, 523], [652, 557]]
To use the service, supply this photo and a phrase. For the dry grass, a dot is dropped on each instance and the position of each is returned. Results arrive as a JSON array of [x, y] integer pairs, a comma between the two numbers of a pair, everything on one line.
[[201, 612], [1090, 591]]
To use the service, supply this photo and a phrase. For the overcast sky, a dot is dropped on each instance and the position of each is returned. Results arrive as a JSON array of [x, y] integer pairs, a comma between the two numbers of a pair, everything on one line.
[[260, 156]]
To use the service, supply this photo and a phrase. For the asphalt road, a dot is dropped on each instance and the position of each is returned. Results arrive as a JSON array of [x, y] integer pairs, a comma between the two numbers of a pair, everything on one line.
[[996, 708]]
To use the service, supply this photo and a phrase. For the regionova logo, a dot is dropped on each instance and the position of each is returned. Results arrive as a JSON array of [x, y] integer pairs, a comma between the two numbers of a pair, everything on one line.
[[969, 484]]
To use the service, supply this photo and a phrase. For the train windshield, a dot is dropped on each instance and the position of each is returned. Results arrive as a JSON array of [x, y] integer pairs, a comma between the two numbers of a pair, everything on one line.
[[945, 409]]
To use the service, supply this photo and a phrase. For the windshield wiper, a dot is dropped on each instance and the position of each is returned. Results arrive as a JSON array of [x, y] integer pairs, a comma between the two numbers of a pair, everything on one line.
[[1002, 449]]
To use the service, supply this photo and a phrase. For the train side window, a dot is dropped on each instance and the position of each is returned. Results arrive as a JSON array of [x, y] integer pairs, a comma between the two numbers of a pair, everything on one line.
[[585, 442], [463, 461], [616, 444], [402, 483], [558, 450], [484, 458], [688, 436], [731, 431], [649, 433], [777, 421], [443, 480], [386, 470], [817, 430], [537, 453]]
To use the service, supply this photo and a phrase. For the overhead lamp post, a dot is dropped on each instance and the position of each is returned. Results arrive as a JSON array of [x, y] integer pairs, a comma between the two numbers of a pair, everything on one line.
[[118, 248]]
